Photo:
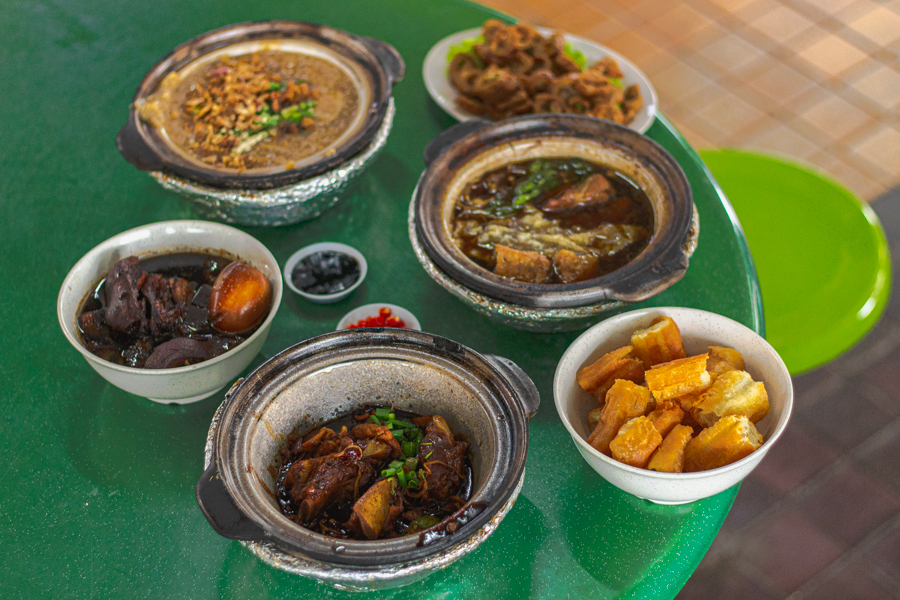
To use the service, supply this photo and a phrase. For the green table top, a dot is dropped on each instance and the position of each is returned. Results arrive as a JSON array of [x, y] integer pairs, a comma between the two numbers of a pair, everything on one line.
[[97, 486]]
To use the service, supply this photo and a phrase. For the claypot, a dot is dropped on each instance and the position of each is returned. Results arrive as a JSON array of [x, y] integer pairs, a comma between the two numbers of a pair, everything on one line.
[[486, 399], [372, 66], [465, 152]]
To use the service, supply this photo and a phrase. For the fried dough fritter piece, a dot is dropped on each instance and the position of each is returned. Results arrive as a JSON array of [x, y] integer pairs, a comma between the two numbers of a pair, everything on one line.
[[573, 266], [678, 377], [598, 377], [659, 343], [666, 416], [729, 440], [521, 265], [635, 443], [722, 359], [625, 400], [669, 457], [733, 393]]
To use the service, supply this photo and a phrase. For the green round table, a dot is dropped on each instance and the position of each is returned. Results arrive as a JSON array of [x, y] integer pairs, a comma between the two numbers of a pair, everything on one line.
[[97, 486]]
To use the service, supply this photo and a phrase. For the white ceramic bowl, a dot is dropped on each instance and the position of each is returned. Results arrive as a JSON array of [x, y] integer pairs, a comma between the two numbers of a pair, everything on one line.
[[371, 310], [179, 385], [437, 82], [699, 329], [325, 247]]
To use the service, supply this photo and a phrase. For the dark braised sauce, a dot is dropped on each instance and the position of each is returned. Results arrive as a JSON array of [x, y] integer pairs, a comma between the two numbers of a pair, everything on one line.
[[552, 220], [142, 307], [325, 272], [357, 479]]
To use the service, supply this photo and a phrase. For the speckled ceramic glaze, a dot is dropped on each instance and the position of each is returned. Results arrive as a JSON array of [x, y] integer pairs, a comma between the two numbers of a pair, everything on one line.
[[182, 384], [699, 329], [286, 205], [465, 152], [486, 399]]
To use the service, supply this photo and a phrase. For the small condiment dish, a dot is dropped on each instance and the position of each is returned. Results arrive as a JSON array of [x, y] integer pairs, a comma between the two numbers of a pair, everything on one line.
[[179, 385], [299, 255], [371, 310], [699, 330]]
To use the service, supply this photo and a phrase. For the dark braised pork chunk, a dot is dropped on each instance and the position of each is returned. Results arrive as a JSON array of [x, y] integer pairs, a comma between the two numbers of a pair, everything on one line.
[[384, 474], [443, 457]]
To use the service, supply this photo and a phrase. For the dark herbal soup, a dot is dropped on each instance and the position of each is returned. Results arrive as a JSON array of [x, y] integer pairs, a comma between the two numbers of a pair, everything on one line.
[[552, 220], [155, 313], [258, 110], [376, 473]]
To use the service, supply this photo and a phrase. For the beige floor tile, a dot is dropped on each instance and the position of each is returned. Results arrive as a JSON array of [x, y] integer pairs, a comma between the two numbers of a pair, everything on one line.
[[781, 139], [882, 25], [855, 10], [605, 30], [730, 53], [579, 20], [680, 23], [830, 6], [632, 45], [863, 185], [781, 24], [730, 113], [835, 117], [694, 138], [755, 9], [832, 55], [731, 5], [679, 81], [781, 84], [882, 86], [882, 149]]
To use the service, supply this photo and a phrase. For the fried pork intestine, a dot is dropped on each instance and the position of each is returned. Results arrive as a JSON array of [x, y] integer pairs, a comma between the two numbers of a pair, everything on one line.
[[518, 71], [533, 232]]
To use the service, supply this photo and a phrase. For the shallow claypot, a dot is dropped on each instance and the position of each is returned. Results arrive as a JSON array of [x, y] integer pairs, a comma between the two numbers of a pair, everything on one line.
[[699, 330], [373, 67], [179, 385], [486, 399], [466, 151]]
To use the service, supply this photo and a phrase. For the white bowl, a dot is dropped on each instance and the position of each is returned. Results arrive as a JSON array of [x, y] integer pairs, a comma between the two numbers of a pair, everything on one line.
[[325, 247], [370, 310], [179, 385], [437, 82], [699, 329]]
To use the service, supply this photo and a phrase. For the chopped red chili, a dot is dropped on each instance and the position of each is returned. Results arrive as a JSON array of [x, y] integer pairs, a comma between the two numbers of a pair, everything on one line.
[[384, 318]]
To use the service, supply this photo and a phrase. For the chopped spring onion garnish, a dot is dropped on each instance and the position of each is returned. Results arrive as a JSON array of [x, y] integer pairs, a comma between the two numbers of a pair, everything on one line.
[[383, 413], [388, 472]]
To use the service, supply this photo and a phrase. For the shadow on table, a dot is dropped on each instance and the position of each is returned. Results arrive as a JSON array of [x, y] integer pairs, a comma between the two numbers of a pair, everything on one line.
[[127, 443], [500, 565], [618, 547]]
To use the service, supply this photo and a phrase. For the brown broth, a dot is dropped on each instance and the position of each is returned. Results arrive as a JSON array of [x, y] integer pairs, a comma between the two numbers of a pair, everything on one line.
[[502, 198]]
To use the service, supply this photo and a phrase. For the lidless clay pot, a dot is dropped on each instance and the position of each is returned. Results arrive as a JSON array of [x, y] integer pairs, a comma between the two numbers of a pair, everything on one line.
[[487, 399], [466, 151], [372, 66]]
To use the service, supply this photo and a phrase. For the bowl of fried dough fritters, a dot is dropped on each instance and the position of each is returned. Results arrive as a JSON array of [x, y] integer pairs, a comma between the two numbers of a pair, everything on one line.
[[672, 404]]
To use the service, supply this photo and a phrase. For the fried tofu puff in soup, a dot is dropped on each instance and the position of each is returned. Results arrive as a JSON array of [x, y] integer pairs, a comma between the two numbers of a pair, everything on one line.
[[552, 220]]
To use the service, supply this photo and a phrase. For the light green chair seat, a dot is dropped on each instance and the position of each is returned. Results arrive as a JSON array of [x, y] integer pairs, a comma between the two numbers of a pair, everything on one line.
[[821, 255]]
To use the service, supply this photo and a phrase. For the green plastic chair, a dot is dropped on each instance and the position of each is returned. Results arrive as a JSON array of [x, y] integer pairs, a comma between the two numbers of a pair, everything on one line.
[[821, 256]]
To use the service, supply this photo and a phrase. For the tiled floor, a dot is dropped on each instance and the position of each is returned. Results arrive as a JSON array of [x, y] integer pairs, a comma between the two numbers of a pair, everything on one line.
[[818, 80]]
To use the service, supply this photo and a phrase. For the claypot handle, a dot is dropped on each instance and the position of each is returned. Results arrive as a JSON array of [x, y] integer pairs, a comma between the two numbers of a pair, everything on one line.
[[220, 510], [522, 383], [387, 55], [666, 271], [133, 147], [450, 136]]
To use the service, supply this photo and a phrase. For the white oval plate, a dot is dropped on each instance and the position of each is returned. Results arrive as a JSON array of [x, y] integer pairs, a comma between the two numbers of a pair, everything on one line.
[[434, 72]]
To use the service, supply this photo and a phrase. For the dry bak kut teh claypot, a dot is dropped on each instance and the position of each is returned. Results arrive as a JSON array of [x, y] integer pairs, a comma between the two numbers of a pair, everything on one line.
[[465, 152], [299, 172], [486, 399]]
